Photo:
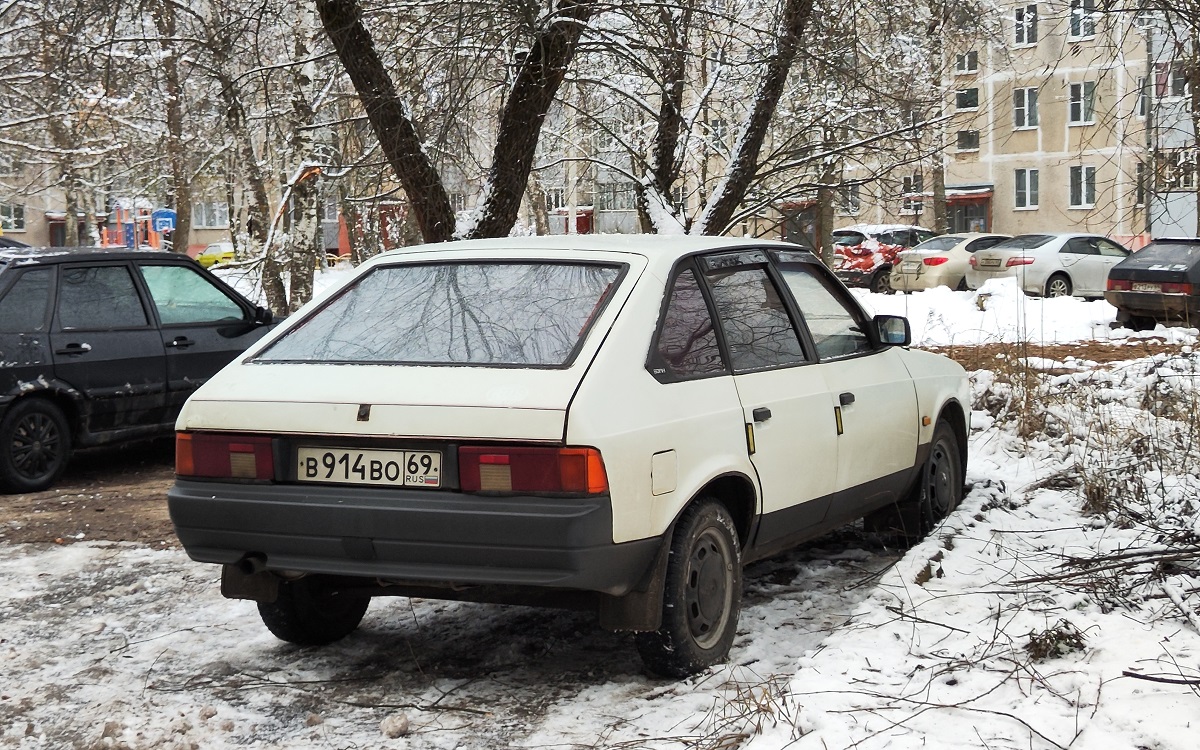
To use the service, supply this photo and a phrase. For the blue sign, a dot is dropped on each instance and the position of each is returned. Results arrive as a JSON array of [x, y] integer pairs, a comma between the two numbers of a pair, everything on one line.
[[163, 220]]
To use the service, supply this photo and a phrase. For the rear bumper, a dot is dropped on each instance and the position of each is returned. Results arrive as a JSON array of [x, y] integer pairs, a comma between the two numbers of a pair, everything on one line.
[[411, 536], [854, 277], [1157, 306]]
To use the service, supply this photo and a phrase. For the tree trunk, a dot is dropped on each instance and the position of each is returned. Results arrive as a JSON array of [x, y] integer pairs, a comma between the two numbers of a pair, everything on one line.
[[179, 187], [665, 160], [729, 194], [387, 114]]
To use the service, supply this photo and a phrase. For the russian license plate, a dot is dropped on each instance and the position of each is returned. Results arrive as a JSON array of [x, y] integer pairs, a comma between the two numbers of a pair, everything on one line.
[[354, 466], [989, 262], [1146, 286], [910, 266]]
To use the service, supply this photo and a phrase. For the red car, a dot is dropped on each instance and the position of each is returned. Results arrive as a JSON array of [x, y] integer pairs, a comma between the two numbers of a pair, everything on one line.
[[863, 255]]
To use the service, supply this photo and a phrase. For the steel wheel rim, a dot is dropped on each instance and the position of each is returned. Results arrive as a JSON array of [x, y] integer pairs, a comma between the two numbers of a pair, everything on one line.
[[939, 482], [708, 587], [36, 446]]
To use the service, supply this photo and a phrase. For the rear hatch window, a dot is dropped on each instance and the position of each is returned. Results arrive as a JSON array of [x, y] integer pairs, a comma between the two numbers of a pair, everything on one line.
[[514, 314]]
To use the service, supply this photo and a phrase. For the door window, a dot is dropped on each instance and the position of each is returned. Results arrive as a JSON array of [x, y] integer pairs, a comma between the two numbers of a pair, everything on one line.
[[687, 342], [1082, 246], [183, 295], [758, 330], [1107, 247], [836, 328], [23, 308], [98, 298]]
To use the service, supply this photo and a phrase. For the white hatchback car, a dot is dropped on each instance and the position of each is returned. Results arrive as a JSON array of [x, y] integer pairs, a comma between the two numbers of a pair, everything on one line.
[[939, 261], [1051, 264], [612, 423]]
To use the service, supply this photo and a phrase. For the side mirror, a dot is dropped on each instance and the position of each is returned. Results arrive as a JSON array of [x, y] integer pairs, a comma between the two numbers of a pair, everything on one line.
[[893, 330], [263, 316]]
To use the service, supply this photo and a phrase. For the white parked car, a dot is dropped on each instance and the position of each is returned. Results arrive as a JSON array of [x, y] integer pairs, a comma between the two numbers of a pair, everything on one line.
[[1050, 264], [940, 261], [574, 421]]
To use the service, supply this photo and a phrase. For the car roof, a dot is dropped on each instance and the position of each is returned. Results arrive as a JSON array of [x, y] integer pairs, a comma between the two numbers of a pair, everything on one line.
[[25, 256], [661, 252]]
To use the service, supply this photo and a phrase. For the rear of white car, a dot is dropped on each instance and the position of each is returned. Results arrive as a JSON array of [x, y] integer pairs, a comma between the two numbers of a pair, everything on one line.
[[616, 426], [940, 261]]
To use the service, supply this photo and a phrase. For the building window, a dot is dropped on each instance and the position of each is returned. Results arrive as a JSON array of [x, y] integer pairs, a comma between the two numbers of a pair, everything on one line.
[[1140, 184], [1170, 80], [968, 62], [614, 196], [458, 201], [12, 217], [1179, 169], [849, 199], [679, 199], [210, 215], [716, 60], [8, 165], [1083, 18], [968, 140], [556, 198], [1025, 21], [718, 134], [1025, 110], [606, 138], [329, 210], [1143, 97], [1083, 187], [913, 194], [966, 99], [1083, 103], [1027, 188]]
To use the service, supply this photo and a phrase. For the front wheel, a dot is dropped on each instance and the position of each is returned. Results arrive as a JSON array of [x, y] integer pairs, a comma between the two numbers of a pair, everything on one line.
[[35, 445], [1058, 285], [308, 613], [702, 595]]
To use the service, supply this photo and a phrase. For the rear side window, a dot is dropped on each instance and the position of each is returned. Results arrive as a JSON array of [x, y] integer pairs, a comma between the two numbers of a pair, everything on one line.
[[23, 307], [687, 342], [531, 314], [982, 244], [758, 330], [98, 298]]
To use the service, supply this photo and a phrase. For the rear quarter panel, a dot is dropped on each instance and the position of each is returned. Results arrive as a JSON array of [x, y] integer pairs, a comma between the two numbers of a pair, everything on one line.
[[695, 426]]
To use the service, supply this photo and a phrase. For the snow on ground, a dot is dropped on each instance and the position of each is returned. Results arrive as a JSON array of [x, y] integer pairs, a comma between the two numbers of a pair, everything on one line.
[[1021, 622]]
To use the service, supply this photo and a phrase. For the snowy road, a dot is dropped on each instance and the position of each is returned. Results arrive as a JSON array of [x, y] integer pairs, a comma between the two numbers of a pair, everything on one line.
[[115, 645]]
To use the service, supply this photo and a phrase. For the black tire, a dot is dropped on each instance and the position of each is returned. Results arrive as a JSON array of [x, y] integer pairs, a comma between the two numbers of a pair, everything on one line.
[[1058, 285], [702, 596], [307, 613], [938, 491], [881, 281], [35, 445], [962, 285]]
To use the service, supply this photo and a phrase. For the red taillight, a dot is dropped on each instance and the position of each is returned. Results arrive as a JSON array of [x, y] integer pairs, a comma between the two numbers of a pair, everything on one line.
[[1172, 287], [1019, 261], [1119, 285], [221, 456], [974, 262], [938, 260], [526, 469]]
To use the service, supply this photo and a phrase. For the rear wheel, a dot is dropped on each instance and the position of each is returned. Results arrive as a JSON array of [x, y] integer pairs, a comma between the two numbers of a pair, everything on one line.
[[35, 445], [881, 281], [938, 491], [702, 595], [308, 613], [1058, 285]]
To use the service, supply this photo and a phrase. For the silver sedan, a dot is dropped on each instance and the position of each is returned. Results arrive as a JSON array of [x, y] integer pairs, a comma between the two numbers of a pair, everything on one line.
[[1052, 264]]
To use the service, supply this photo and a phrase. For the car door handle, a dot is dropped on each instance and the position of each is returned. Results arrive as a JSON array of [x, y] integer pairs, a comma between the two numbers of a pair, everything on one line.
[[73, 349], [181, 342], [846, 398], [761, 414]]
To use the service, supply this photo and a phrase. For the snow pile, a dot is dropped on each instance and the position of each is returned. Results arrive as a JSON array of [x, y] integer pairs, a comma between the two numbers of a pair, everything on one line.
[[999, 312]]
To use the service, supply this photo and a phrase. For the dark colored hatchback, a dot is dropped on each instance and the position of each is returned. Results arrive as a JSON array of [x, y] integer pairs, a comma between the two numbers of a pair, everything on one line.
[[1158, 284], [101, 346]]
